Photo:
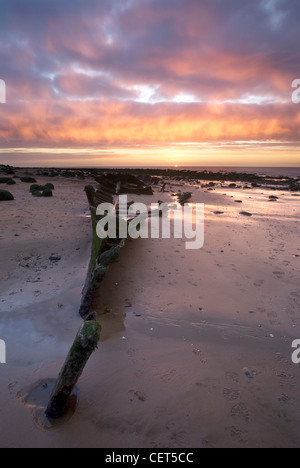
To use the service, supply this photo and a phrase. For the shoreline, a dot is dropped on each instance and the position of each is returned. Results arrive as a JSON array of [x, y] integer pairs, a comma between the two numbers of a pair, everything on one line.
[[279, 182]]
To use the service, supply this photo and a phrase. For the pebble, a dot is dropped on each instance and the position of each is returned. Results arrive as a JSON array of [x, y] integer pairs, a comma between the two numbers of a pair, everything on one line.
[[54, 258], [245, 213]]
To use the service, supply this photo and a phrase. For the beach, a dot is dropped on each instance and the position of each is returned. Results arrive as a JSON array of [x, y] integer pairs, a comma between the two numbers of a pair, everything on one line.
[[196, 346]]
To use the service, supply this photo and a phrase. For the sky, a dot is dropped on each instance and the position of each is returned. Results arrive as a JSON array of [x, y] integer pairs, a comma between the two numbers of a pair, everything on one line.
[[149, 82]]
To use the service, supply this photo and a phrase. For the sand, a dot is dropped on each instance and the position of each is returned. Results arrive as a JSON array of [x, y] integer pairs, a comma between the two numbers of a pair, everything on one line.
[[196, 349]]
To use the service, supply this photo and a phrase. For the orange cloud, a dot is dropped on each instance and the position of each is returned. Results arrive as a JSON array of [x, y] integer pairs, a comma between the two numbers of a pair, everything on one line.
[[115, 123]]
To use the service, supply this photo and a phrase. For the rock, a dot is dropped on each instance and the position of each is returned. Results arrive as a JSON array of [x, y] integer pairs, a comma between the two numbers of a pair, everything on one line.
[[28, 180], [6, 196], [47, 193], [54, 258], [245, 213], [49, 186], [36, 193], [7, 181], [140, 395], [34, 187]]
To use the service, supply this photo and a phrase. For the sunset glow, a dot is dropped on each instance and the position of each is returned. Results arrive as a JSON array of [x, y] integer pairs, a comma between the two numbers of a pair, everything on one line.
[[146, 82]]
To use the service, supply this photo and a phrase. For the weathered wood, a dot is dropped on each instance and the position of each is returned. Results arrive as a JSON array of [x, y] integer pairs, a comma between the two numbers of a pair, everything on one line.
[[163, 187], [102, 255], [84, 344], [95, 279], [184, 197], [90, 193]]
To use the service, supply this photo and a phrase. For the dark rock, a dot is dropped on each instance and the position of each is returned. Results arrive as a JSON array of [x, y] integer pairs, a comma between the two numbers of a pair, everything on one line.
[[55, 258], [47, 193], [36, 193], [28, 180], [49, 186], [34, 188], [245, 213], [6, 196], [7, 181]]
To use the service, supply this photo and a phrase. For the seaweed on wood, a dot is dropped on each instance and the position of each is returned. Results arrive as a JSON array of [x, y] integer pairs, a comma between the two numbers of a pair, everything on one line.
[[103, 254]]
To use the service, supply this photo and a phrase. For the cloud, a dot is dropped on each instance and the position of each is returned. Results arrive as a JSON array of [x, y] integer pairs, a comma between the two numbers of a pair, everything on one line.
[[146, 71], [113, 123]]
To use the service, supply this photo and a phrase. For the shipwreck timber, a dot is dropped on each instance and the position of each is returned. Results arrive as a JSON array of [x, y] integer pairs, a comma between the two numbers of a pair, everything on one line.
[[84, 344], [184, 197], [104, 252]]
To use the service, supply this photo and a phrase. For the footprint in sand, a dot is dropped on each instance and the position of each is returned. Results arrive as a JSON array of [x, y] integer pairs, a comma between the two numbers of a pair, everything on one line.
[[259, 283], [241, 411], [272, 314], [284, 398], [230, 394], [286, 380], [279, 274], [237, 434], [283, 359], [232, 377]]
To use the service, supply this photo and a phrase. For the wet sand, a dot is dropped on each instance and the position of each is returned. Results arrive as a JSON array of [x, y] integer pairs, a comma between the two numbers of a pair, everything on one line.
[[196, 350]]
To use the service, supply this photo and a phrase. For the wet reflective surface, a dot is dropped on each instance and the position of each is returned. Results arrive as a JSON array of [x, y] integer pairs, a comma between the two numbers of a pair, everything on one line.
[[36, 399]]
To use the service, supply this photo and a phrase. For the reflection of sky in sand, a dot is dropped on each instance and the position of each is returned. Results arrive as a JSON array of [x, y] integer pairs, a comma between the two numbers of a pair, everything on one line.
[[27, 344], [41, 332], [254, 201]]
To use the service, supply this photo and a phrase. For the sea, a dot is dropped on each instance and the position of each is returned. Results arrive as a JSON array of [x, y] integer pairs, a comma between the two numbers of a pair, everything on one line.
[[293, 172]]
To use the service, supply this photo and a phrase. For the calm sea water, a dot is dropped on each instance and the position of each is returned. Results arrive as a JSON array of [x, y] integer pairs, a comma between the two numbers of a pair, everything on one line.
[[293, 172]]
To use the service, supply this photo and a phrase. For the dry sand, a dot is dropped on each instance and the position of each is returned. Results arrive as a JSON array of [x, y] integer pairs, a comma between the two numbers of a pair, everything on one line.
[[196, 351]]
